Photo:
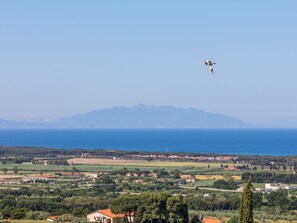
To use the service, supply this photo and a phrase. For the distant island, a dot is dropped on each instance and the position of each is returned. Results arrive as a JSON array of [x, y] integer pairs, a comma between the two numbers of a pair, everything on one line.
[[140, 116]]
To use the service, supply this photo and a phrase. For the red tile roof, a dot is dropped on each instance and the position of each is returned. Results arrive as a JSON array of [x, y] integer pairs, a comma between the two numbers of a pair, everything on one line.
[[108, 213], [210, 220], [53, 217]]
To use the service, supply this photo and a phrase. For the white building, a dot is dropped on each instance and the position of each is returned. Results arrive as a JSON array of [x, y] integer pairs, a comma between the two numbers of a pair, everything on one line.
[[105, 216], [278, 186], [190, 179]]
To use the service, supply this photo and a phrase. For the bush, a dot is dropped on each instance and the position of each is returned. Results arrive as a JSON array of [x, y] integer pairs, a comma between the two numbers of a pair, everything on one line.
[[233, 220], [37, 215]]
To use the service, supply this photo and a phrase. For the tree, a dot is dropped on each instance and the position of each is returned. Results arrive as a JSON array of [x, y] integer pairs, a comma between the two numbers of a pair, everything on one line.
[[74, 169], [257, 199], [19, 213], [106, 179], [126, 204], [233, 220], [178, 211], [15, 170], [5, 170], [153, 207], [195, 219], [149, 159], [176, 173], [226, 185], [246, 206], [279, 199], [284, 167]]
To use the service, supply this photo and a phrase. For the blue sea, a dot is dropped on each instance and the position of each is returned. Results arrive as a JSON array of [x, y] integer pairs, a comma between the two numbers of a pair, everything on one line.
[[221, 141]]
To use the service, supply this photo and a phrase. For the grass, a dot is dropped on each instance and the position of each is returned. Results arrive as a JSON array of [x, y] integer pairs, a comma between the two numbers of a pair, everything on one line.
[[107, 165], [212, 177], [153, 163]]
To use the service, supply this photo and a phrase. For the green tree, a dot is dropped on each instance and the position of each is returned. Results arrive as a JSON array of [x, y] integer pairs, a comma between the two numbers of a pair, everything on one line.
[[106, 179], [284, 167], [226, 185], [176, 173], [15, 170], [233, 220], [279, 199], [36, 215], [149, 159], [4, 170], [195, 219], [177, 210], [126, 204], [74, 169], [19, 213], [246, 206], [153, 207]]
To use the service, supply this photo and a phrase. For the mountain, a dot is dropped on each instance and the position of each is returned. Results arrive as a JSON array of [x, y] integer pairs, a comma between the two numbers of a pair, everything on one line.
[[140, 116], [16, 124]]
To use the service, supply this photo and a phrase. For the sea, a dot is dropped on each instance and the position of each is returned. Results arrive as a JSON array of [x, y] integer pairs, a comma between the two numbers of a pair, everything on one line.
[[277, 142]]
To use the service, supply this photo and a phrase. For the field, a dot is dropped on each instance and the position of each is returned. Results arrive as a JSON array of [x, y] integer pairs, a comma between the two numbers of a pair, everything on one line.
[[154, 163], [212, 177]]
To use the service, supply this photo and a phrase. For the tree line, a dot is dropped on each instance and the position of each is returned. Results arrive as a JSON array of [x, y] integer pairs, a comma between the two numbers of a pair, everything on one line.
[[268, 177], [152, 207]]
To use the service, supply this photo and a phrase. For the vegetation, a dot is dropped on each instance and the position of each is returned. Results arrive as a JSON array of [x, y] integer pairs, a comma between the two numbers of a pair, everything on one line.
[[268, 177], [66, 190], [246, 205]]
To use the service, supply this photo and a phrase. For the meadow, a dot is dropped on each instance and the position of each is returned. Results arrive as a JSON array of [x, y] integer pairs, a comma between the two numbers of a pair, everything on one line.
[[153, 163]]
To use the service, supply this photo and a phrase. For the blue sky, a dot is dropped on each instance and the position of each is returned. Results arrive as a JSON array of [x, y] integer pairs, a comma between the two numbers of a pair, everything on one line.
[[59, 58]]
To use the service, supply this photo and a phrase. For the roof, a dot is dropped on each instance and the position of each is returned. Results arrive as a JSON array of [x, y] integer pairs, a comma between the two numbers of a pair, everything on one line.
[[53, 217], [210, 220], [108, 213]]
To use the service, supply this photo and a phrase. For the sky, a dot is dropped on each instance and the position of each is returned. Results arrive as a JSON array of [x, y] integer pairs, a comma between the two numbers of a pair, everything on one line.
[[61, 58]]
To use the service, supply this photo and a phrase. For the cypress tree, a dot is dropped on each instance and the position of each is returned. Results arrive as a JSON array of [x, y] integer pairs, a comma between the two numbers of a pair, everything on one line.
[[246, 206]]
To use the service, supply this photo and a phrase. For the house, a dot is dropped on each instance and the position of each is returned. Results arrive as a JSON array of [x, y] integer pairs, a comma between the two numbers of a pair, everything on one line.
[[39, 178], [210, 220], [153, 175], [139, 181], [232, 167], [92, 175], [86, 155], [130, 174], [190, 179], [278, 186], [205, 195], [52, 218], [73, 174], [105, 216]]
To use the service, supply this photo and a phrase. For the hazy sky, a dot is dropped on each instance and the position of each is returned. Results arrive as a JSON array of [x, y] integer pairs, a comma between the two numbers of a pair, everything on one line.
[[59, 58]]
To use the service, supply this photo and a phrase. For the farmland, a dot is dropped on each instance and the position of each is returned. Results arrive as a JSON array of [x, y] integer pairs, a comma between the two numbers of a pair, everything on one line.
[[72, 185], [140, 163]]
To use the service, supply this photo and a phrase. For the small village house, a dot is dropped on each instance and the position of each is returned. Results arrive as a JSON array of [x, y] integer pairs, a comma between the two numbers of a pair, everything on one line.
[[52, 218], [190, 179], [105, 216]]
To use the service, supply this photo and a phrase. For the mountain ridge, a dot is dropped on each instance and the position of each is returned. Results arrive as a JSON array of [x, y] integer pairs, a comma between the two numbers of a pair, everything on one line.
[[139, 116]]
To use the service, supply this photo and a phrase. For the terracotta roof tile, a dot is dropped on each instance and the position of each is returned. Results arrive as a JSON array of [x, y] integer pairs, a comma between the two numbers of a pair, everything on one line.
[[210, 220], [108, 213]]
